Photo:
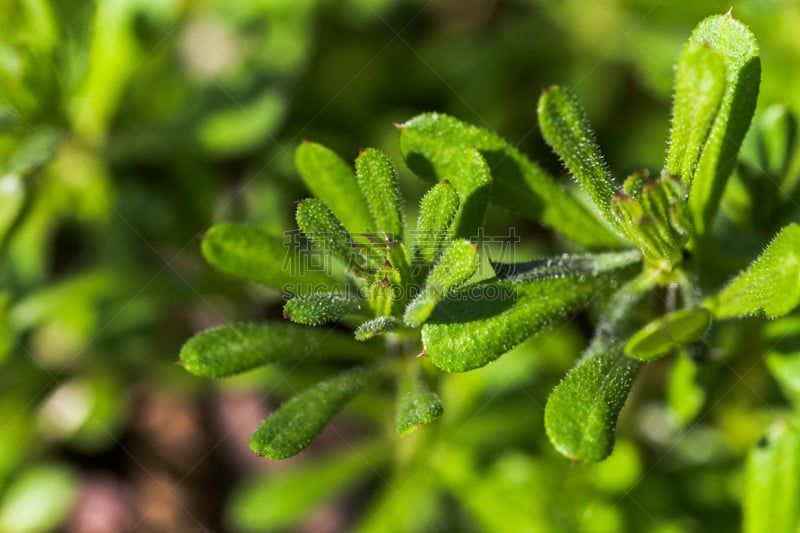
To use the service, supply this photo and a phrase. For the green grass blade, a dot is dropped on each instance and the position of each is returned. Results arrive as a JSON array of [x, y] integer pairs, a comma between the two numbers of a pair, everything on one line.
[[291, 428], [237, 348], [428, 142]]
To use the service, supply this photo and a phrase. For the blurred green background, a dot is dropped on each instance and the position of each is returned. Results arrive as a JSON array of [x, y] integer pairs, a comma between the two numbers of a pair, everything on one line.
[[128, 127]]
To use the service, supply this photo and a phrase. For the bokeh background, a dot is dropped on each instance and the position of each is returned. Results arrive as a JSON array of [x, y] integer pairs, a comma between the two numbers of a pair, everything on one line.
[[128, 127]]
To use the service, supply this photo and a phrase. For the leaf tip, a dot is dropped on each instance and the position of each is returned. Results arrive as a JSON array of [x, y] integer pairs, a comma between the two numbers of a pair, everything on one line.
[[729, 13], [399, 125]]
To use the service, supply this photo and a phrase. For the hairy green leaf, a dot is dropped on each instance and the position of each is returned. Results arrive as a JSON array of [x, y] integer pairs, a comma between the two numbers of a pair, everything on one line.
[[236, 348], [417, 405], [565, 265], [566, 129], [437, 210], [377, 326], [291, 428], [251, 254], [770, 285], [478, 323], [378, 182], [317, 309], [456, 265], [772, 486], [282, 499], [331, 180], [669, 331], [700, 79], [732, 41], [581, 413], [320, 224], [429, 141]]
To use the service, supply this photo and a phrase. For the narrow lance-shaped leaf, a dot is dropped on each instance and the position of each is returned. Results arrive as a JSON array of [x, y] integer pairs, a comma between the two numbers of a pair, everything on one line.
[[377, 326], [317, 221], [566, 129], [772, 483], [478, 323], [669, 331], [429, 140], [770, 285], [565, 265], [417, 405], [457, 264], [317, 309], [291, 428], [331, 180], [378, 183], [251, 254], [700, 80], [737, 46], [581, 413], [236, 348], [436, 213]]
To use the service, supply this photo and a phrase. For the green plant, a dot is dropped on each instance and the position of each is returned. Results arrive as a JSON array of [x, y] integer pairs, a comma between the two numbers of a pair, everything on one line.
[[651, 253]]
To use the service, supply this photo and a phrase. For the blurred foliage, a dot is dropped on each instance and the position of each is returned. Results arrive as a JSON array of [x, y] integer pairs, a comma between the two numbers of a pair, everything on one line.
[[127, 127]]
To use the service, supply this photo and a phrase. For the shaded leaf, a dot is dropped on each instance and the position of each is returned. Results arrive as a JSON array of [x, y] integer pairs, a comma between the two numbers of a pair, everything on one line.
[[236, 348], [332, 181], [429, 141], [770, 285], [581, 413], [377, 326], [36, 150], [566, 129], [457, 265], [319, 223], [436, 213], [564, 265], [674, 329], [291, 428], [12, 198], [476, 324], [378, 183], [251, 254], [772, 482], [281, 499], [417, 405], [317, 309]]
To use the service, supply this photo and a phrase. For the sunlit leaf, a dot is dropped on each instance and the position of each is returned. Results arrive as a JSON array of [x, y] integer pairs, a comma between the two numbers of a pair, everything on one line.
[[319, 223], [581, 413], [456, 266], [291, 428], [39, 500], [429, 141], [566, 129], [377, 326], [674, 329], [317, 309], [417, 405], [772, 486], [770, 285], [236, 348], [332, 181], [378, 182], [251, 254], [436, 212], [564, 265]]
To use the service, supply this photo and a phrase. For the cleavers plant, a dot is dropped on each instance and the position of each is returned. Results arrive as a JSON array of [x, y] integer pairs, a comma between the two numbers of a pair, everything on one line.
[[648, 246]]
